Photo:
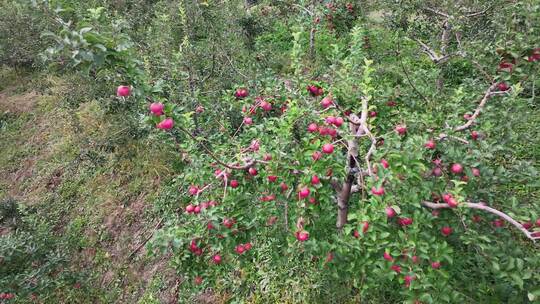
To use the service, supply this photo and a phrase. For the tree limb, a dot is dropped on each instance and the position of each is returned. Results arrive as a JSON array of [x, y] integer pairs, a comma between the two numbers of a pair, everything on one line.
[[481, 105], [502, 215]]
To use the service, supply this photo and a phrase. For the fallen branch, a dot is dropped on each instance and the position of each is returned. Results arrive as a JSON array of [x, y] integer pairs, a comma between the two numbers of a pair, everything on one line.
[[158, 225], [502, 215]]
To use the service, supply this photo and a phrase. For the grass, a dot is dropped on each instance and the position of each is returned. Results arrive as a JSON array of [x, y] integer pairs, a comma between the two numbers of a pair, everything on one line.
[[92, 197]]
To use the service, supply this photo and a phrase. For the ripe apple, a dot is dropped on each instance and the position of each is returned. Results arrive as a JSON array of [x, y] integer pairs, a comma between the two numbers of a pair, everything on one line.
[[198, 280], [304, 192], [435, 265], [241, 93], [272, 178], [527, 225], [396, 268], [157, 108], [377, 191], [356, 234], [123, 91], [446, 231], [252, 171], [405, 221], [385, 163], [326, 102], [316, 155], [437, 171], [248, 121], [190, 208], [503, 86], [234, 183], [408, 279], [312, 127], [338, 122], [166, 124], [247, 246], [328, 148], [315, 180], [227, 222], [372, 114], [239, 249], [193, 190], [266, 106], [538, 222], [452, 202], [430, 144], [330, 120], [476, 218], [302, 236], [216, 259], [456, 168], [390, 212], [475, 172], [474, 135], [401, 129], [283, 187], [388, 257], [365, 226]]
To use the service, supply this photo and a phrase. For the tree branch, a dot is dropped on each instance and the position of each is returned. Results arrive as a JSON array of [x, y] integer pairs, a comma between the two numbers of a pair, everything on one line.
[[481, 105], [502, 215]]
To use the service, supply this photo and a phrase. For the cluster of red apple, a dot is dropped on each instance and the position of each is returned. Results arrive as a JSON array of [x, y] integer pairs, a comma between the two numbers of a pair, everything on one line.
[[407, 279], [198, 208], [6, 296]]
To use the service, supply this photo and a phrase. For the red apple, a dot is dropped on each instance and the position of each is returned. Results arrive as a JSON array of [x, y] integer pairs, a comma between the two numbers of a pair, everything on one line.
[[234, 183], [272, 178], [248, 121], [240, 249], [216, 259], [123, 91], [283, 186], [302, 236], [527, 225], [252, 171], [396, 268], [304, 192], [538, 222], [437, 171], [456, 168], [190, 208], [266, 106], [388, 257], [316, 155], [312, 127], [452, 202], [326, 102], [157, 108], [476, 218], [338, 122], [166, 124], [330, 120], [503, 86], [267, 157], [315, 180], [372, 114], [446, 231], [328, 148], [401, 129], [356, 234], [377, 191], [430, 144], [247, 246], [475, 172], [385, 163], [408, 279], [241, 93], [474, 135], [405, 221], [365, 226], [390, 212], [435, 265], [198, 280]]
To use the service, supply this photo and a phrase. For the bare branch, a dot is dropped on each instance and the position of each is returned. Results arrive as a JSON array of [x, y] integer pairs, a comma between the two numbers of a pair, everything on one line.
[[481, 105], [437, 12], [475, 14], [502, 215]]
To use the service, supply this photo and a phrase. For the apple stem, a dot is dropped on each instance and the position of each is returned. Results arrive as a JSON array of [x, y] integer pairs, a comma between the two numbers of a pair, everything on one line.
[[502, 215]]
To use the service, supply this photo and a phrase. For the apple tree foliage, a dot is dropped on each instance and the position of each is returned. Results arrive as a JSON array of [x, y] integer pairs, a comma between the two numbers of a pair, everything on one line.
[[369, 153]]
